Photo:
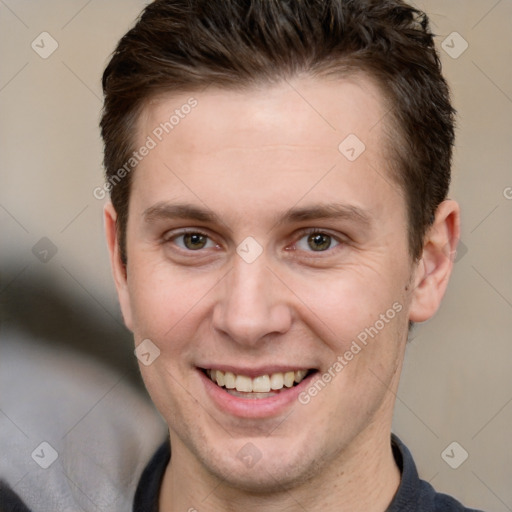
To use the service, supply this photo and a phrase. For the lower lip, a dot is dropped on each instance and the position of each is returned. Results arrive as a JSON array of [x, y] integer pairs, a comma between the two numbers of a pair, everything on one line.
[[253, 407]]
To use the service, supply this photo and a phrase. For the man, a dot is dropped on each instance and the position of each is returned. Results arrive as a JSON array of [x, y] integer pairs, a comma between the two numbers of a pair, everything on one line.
[[279, 218]]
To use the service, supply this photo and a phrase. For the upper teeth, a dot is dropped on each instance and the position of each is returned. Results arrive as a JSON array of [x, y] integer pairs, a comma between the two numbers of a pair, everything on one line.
[[260, 384]]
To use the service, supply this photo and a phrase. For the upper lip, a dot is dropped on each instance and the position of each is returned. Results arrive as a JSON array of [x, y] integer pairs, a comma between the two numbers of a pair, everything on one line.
[[255, 371]]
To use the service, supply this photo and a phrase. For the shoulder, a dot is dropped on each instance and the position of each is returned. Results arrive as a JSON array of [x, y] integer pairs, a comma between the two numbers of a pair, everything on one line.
[[148, 489], [438, 502], [9, 500], [90, 432], [415, 494]]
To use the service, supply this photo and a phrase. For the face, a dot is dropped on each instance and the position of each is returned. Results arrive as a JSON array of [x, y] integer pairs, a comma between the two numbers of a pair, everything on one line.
[[263, 255]]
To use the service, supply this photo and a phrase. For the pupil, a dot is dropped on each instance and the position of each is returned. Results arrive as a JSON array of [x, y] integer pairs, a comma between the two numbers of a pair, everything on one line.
[[195, 241], [319, 241]]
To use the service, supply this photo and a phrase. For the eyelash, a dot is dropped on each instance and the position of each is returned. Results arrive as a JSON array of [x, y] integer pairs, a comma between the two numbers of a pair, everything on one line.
[[316, 231], [172, 236]]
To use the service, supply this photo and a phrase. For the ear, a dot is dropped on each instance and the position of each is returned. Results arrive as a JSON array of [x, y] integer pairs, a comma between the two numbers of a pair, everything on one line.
[[435, 267], [118, 267]]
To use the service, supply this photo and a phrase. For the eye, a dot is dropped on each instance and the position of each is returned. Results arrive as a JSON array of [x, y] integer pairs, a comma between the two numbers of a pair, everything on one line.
[[317, 242], [193, 241]]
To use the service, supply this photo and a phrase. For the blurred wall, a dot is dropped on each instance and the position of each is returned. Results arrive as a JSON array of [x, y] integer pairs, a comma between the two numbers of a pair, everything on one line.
[[456, 385]]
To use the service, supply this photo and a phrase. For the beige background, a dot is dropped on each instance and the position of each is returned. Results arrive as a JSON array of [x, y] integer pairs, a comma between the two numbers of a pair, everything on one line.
[[456, 384]]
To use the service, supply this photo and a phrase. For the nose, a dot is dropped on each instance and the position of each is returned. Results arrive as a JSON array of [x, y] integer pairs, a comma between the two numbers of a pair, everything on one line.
[[252, 304]]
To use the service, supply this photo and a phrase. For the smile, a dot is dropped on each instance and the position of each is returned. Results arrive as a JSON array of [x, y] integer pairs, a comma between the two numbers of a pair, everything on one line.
[[261, 386], [255, 393]]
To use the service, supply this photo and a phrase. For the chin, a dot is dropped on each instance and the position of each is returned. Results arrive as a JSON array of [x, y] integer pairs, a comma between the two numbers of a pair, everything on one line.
[[262, 480], [275, 471]]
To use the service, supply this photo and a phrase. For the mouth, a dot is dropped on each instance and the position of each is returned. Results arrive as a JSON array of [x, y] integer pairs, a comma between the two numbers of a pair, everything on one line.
[[262, 386]]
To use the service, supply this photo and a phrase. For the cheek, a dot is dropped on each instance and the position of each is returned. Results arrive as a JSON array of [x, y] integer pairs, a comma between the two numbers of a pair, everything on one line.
[[163, 300], [353, 303]]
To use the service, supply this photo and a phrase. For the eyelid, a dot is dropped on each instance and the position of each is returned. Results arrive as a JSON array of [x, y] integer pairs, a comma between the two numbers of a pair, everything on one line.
[[173, 234], [340, 239]]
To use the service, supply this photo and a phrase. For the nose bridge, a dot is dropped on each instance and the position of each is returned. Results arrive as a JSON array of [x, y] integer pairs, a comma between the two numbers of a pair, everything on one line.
[[250, 305]]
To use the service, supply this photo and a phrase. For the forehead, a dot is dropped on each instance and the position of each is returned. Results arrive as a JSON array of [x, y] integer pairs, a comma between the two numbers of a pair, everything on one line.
[[271, 142], [298, 112]]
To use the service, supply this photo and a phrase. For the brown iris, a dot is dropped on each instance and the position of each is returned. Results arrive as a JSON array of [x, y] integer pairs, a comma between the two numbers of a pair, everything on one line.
[[319, 241], [194, 241]]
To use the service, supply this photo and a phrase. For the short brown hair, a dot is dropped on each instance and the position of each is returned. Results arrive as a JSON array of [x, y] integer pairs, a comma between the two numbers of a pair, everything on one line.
[[184, 45]]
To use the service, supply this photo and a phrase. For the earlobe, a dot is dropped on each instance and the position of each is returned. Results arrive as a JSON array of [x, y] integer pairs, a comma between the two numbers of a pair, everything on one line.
[[434, 269], [118, 267]]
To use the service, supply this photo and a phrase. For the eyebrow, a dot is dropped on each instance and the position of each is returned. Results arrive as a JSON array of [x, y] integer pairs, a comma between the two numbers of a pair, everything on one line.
[[163, 211], [336, 211]]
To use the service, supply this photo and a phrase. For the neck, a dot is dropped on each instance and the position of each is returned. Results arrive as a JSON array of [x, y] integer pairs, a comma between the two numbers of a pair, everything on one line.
[[364, 477]]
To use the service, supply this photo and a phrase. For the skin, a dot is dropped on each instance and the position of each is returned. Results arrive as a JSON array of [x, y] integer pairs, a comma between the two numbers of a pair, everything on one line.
[[249, 157]]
